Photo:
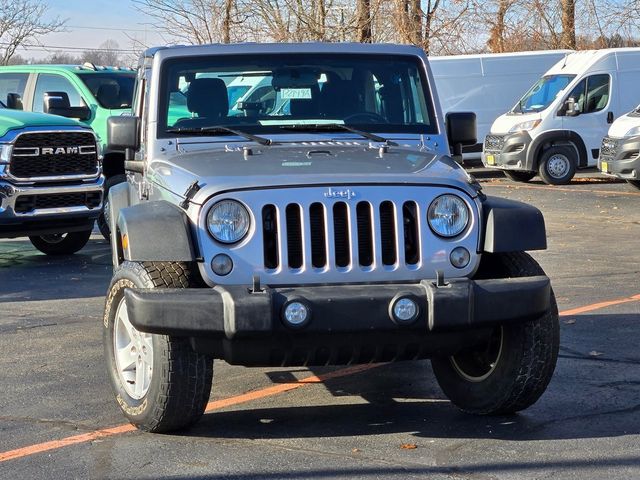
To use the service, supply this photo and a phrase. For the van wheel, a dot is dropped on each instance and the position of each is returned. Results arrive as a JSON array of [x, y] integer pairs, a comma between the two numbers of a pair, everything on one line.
[[61, 243], [512, 368], [103, 219], [558, 165], [518, 176], [634, 183], [161, 384]]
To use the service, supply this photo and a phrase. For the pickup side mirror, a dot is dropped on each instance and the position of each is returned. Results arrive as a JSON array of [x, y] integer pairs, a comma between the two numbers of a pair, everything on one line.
[[123, 134], [14, 101], [57, 103], [461, 131]]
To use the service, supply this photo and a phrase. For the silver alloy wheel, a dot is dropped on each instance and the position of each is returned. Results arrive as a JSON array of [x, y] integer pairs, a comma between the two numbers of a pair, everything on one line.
[[558, 165], [54, 238], [133, 352], [476, 364]]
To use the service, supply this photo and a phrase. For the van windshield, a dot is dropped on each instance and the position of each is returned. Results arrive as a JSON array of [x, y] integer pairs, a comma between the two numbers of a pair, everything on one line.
[[542, 93], [268, 93]]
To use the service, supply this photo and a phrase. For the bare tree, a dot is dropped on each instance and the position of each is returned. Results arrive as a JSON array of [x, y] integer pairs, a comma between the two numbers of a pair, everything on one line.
[[21, 23], [364, 34], [568, 39], [107, 53]]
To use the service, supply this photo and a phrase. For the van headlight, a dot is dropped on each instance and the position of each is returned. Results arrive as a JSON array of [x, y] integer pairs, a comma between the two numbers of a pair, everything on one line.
[[525, 126], [448, 215], [228, 221]]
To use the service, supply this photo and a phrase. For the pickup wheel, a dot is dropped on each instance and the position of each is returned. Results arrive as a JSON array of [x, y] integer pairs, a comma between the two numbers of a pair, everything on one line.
[[512, 369], [558, 165], [103, 219], [518, 176], [160, 383], [61, 243]]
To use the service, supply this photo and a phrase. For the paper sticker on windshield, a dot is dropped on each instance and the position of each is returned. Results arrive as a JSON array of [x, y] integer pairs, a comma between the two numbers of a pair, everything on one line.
[[295, 93]]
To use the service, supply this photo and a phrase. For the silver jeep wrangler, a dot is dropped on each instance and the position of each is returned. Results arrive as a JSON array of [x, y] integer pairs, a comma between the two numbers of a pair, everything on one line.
[[297, 204]]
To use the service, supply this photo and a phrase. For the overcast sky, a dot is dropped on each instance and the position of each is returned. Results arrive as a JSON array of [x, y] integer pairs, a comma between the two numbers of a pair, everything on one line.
[[92, 22]]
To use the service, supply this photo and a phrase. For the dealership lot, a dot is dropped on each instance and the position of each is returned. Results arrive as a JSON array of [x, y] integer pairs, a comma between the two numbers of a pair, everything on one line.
[[58, 418]]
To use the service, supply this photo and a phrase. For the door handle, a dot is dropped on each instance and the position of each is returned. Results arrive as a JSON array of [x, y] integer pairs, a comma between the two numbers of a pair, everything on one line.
[[609, 117]]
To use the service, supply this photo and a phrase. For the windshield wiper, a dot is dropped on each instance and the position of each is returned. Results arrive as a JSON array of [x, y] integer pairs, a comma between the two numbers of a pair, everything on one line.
[[339, 126], [221, 129]]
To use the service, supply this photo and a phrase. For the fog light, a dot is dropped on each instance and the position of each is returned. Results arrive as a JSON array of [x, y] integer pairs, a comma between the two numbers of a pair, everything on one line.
[[404, 310], [221, 264], [460, 257], [296, 313]]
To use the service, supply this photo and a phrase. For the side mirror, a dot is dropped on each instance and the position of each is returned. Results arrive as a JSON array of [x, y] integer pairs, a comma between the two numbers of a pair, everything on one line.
[[572, 108], [122, 134], [57, 103], [14, 101], [461, 131]]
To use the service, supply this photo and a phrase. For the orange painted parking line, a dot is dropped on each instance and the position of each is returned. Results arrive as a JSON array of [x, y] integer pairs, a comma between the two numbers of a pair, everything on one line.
[[248, 397], [564, 189]]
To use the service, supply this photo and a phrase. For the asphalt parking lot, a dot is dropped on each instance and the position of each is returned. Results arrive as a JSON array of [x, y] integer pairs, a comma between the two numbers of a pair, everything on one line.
[[58, 418]]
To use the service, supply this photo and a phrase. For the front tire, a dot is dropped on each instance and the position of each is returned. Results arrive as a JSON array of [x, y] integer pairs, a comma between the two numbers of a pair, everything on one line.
[[103, 219], [61, 243], [519, 176], [512, 369], [558, 165], [160, 383]]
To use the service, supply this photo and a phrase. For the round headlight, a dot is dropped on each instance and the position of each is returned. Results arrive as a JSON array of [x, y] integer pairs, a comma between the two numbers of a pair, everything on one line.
[[448, 215], [228, 221]]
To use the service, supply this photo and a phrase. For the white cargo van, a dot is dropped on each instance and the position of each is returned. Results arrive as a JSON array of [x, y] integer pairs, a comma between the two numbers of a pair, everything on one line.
[[487, 84], [558, 125], [620, 149]]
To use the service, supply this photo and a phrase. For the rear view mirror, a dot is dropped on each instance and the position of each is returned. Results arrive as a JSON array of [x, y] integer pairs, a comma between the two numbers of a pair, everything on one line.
[[572, 107], [461, 131], [57, 103], [122, 134], [14, 101]]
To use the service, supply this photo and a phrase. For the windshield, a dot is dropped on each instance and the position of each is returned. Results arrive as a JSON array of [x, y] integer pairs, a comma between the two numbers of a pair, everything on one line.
[[263, 93], [542, 93], [112, 90]]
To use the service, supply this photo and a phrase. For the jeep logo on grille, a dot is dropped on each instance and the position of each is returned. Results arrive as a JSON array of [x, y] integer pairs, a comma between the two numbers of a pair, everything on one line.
[[347, 194]]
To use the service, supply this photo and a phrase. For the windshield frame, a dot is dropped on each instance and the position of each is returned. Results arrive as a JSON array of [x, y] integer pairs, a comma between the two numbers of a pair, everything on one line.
[[518, 108], [108, 73], [163, 96]]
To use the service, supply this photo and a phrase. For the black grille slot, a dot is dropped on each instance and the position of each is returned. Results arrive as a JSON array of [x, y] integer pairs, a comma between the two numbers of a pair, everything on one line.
[[411, 234], [54, 154], [294, 235], [270, 236], [28, 203], [318, 239], [365, 234], [493, 142], [388, 233], [341, 234]]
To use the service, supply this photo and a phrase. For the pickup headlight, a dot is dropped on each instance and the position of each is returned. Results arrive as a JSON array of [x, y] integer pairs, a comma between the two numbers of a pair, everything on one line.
[[633, 132], [525, 126], [448, 215], [5, 152], [228, 221]]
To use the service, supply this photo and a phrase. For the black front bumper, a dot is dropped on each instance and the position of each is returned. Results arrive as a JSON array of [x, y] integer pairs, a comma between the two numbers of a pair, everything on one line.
[[507, 152], [620, 157], [348, 323]]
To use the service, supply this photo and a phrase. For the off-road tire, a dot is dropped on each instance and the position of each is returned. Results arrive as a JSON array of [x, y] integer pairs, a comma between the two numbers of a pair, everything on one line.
[[102, 222], [66, 244], [545, 166], [181, 378], [634, 183], [519, 176], [527, 360]]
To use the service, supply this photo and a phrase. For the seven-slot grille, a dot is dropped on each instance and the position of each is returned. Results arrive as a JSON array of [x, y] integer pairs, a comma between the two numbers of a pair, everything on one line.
[[493, 143], [341, 234], [29, 203], [54, 154]]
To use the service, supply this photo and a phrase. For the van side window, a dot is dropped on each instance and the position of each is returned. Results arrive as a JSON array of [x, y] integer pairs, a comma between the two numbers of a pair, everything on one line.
[[12, 83], [55, 83], [592, 93]]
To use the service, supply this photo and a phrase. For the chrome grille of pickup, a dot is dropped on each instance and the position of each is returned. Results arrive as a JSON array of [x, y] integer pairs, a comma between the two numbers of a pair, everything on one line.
[[493, 143], [342, 234], [54, 154]]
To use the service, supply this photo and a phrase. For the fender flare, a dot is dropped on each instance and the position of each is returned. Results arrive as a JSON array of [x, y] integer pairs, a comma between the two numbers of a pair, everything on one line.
[[556, 137], [155, 231], [512, 226]]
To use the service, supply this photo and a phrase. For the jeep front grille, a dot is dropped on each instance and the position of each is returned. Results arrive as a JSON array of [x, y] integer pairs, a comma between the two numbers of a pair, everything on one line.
[[342, 234], [29, 203], [54, 154], [494, 143]]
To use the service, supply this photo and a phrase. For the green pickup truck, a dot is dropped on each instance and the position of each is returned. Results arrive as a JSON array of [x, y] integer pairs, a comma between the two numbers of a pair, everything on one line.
[[51, 187], [88, 93]]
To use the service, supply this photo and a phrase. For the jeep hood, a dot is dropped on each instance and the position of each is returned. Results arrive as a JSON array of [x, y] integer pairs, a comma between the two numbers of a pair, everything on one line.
[[15, 119], [218, 170]]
